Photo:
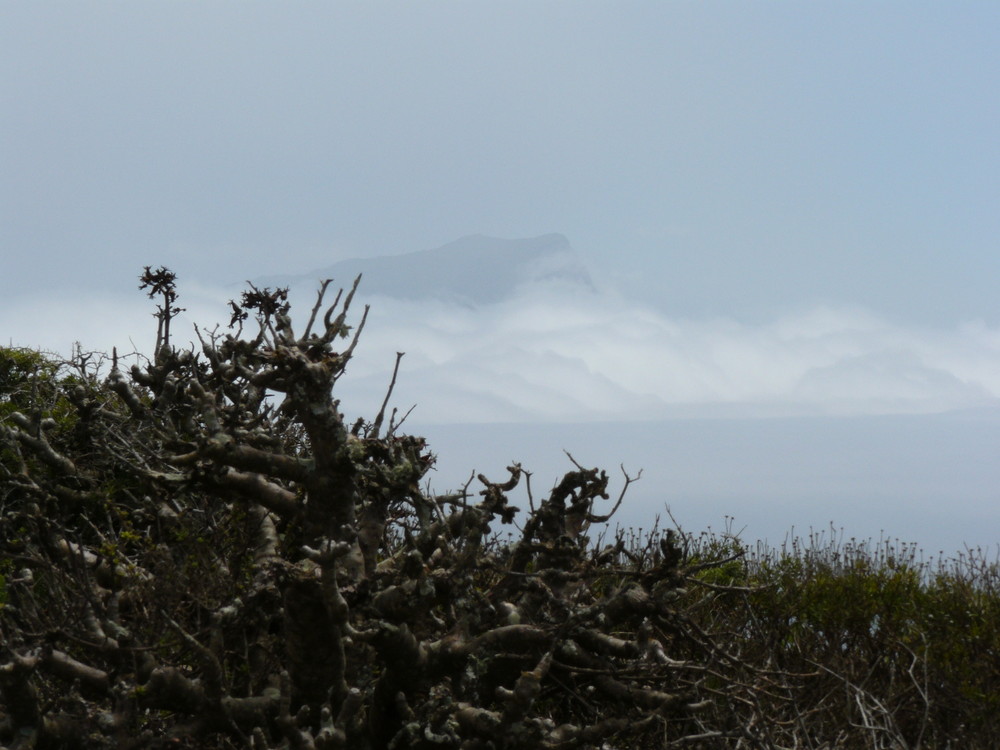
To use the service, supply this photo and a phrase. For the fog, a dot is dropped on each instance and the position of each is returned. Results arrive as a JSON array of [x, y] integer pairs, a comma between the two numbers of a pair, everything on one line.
[[565, 353], [562, 354]]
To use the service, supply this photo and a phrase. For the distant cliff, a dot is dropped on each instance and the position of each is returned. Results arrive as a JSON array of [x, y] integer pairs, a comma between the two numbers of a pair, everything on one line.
[[473, 270]]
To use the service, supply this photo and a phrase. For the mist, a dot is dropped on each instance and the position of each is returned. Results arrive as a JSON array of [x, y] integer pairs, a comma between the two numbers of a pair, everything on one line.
[[561, 352]]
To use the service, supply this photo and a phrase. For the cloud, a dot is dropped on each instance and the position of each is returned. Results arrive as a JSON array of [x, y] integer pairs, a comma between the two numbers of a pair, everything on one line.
[[558, 352], [562, 354]]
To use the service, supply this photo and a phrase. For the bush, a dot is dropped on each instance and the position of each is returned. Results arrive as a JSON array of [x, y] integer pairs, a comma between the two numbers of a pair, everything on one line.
[[202, 551]]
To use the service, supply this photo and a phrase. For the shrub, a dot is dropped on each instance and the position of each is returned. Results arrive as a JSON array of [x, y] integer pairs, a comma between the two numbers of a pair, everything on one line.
[[201, 550]]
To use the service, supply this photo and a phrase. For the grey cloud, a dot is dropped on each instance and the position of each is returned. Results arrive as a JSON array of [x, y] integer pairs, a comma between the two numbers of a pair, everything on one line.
[[557, 356], [555, 351], [890, 380]]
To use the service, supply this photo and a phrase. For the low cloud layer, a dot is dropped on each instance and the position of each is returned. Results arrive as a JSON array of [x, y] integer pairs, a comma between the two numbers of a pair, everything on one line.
[[563, 353], [558, 354]]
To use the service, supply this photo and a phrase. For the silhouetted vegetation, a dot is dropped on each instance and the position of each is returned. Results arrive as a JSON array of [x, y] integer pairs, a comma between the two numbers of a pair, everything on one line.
[[201, 550]]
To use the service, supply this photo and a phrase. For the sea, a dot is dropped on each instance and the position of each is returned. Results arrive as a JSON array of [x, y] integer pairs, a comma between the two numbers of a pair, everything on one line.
[[929, 480]]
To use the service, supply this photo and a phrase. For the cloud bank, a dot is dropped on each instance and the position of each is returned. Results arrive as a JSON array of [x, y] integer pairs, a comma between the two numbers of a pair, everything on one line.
[[558, 353], [562, 352]]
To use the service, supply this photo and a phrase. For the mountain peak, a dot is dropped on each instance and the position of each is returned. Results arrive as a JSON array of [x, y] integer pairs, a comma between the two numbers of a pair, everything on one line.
[[475, 269]]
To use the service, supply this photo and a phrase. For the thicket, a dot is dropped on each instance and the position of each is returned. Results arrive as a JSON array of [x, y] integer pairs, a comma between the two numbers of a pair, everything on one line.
[[201, 550]]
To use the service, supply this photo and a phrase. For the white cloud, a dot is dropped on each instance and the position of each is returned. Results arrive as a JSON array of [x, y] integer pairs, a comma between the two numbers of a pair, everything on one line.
[[555, 355], [558, 354]]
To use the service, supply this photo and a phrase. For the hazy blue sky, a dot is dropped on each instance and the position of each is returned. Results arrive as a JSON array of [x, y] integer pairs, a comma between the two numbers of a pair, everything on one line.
[[724, 158]]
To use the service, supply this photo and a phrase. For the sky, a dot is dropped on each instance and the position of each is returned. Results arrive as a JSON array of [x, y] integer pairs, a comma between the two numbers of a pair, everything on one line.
[[788, 209], [726, 158]]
